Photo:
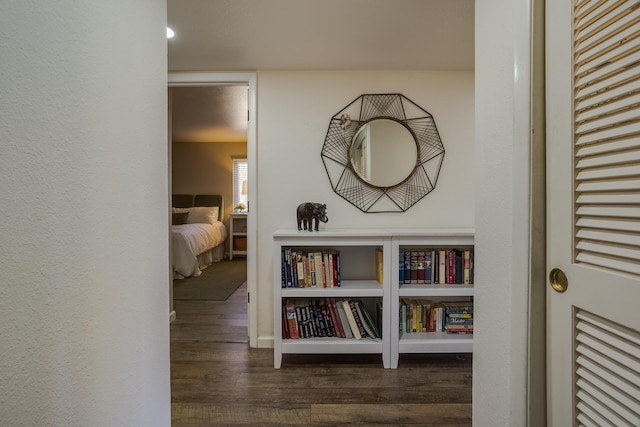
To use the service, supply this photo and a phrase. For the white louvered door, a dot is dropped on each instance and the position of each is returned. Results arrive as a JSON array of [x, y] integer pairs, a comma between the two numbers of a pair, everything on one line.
[[593, 211]]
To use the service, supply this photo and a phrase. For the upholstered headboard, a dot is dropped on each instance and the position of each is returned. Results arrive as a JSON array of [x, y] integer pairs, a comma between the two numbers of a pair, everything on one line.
[[182, 200], [190, 200]]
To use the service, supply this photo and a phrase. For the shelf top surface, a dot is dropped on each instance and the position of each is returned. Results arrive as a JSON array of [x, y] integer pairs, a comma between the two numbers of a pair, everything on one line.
[[374, 232]]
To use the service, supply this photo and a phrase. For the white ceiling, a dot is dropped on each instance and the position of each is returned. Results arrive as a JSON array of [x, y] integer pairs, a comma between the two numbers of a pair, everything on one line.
[[252, 35]]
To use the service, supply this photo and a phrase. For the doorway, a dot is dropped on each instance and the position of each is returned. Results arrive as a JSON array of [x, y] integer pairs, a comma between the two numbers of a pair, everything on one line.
[[248, 80]]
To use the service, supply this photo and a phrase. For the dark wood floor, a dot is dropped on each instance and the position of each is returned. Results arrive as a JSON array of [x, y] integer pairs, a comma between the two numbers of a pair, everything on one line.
[[216, 380]]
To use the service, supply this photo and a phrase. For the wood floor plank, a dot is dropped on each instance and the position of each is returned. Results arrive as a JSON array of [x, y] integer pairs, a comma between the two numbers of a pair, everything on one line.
[[435, 414]]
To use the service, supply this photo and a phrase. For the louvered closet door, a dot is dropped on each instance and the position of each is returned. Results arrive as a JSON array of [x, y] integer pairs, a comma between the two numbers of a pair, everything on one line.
[[593, 212]]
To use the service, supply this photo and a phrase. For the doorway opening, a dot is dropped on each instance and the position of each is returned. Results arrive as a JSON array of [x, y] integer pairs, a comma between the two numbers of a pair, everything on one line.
[[227, 83]]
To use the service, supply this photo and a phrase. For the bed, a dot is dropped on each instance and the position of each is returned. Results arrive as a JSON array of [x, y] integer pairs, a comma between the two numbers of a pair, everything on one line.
[[197, 233]]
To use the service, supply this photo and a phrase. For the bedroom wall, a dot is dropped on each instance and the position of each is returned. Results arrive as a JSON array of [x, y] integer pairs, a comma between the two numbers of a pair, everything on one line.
[[206, 168], [294, 109], [84, 336]]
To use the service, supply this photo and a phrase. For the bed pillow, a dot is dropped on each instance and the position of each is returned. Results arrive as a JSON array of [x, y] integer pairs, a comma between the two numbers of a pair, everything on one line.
[[200, 214], [178, 218]]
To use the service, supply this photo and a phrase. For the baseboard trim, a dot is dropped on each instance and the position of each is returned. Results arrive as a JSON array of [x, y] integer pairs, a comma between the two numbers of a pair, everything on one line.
[[172, 316], [265, 342]]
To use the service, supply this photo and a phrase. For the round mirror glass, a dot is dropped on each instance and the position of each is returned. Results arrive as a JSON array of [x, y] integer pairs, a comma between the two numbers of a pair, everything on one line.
[[383, 152]]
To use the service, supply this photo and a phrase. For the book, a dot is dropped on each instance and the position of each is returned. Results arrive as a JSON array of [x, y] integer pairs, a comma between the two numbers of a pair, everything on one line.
[[451, 275], [465, 266], [351, 319], [337, 254], [307, 332], [379, 317], [459, 309], [301, 326], [335, 318], [328, 319], [283, 275], [420, 267], [442, 264], [293, 262], [343, 319], [457, 266], [300, 269], [428, 266], [313, 332], [358, 318], [407, 267], [312, 269], [328, 274], [287, 267], [318, 321], [319, 267], [292, 321], [403, 317], [379, 276], [377, 331], [367, 321], [285, 323], [401, 268], [414, 266]]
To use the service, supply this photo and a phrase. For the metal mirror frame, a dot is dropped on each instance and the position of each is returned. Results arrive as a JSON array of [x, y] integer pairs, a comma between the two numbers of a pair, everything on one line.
[[346, 182]]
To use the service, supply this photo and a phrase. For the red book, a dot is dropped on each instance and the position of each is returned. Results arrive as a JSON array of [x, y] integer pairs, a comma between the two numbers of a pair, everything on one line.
[[292, 319], [451, 267], [335, 317]]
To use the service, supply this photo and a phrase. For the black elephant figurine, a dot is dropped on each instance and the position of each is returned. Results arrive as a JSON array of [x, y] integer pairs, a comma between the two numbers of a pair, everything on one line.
[[308, 212]]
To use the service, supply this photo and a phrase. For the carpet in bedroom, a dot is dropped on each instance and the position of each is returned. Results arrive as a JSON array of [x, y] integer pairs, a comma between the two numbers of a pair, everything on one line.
[[217, 282]]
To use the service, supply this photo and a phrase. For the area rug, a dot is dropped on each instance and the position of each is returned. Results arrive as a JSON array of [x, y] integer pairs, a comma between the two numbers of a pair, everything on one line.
[[217, 282]]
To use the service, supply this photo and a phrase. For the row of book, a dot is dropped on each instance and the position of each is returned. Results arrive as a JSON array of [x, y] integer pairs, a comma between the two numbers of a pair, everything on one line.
[[436, 266], [329, 317], [453, 317], [318, 269]]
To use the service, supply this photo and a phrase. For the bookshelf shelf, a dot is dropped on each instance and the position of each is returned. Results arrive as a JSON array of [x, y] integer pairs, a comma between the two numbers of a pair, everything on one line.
[[358, 270], [435, 290], [435, 342], [349, 288]]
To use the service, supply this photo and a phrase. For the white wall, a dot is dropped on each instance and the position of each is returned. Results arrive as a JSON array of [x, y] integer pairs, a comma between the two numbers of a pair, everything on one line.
[[294, 109], [84, 336], [502, 212]]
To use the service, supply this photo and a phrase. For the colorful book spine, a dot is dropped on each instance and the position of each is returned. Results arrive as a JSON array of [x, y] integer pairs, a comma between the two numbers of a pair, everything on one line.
[[292, 321], [442, 266], [413, 257], [407, 267], [466, 260], [420, 267], [428, 266]]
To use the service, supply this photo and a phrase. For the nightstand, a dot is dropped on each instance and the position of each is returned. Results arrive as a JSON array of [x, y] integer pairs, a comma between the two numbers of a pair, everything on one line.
[[237, 235]]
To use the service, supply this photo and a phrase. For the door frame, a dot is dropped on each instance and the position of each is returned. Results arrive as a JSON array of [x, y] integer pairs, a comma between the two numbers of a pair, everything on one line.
[[191, 79]]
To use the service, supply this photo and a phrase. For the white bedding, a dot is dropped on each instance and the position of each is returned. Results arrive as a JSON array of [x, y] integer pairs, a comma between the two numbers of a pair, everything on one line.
[[191, 240]]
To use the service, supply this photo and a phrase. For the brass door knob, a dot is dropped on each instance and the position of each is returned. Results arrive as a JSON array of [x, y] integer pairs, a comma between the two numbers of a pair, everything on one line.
[[558, 280]]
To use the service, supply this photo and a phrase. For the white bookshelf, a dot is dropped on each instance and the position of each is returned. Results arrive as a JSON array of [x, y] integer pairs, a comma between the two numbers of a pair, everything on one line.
[[427, 342], [363, 284], [357, 282]]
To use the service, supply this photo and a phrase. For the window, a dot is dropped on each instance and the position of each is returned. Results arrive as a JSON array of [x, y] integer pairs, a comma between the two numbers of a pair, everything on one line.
[[240, 183]]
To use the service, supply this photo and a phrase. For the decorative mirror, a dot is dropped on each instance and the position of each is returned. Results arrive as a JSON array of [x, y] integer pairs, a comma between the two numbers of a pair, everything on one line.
[[382, 153]]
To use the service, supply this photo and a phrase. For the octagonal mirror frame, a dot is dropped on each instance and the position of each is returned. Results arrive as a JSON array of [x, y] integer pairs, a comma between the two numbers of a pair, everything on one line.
[[347, 183]]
